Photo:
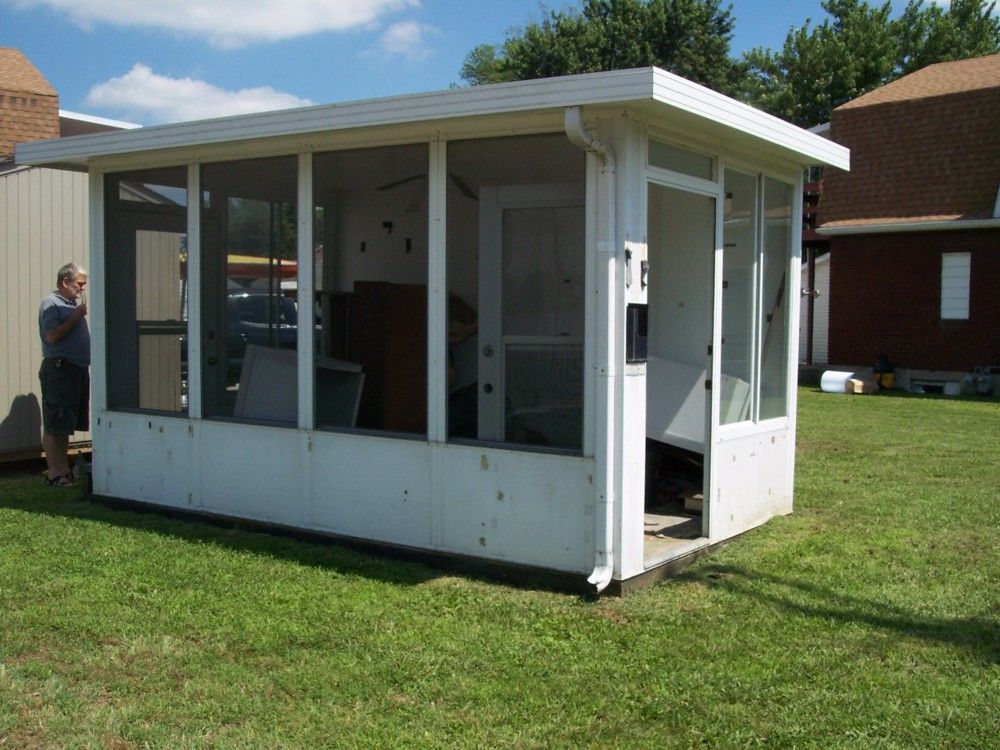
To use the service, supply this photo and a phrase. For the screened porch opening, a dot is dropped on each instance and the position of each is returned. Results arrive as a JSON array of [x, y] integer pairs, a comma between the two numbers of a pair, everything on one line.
[[249, 283], [146, 246], [516, 268], [370, 280]]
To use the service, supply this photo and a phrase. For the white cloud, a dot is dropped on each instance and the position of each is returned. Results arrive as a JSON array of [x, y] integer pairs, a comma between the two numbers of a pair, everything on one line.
[[229, 23], [143, 95], [407, 39]]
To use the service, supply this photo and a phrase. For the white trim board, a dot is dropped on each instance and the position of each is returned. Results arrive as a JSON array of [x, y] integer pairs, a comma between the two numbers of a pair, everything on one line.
[[956, 225], [663, 91]]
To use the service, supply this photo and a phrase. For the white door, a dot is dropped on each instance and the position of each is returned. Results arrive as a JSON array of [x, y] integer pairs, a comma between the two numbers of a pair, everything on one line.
[[531, 290], [752, 405]]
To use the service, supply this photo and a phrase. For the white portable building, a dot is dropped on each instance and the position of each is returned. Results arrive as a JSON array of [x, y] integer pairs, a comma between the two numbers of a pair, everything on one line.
[[547, 324]]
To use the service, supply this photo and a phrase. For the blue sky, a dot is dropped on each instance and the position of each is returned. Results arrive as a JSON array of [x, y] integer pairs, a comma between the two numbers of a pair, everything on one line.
[[152, 61]]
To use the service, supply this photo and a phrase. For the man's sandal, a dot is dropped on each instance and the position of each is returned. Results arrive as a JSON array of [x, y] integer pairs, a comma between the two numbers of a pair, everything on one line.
[[63, 480]]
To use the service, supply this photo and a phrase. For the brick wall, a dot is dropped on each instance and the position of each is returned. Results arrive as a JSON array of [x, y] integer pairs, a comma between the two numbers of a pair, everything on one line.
[[26, 117], [885, 298]]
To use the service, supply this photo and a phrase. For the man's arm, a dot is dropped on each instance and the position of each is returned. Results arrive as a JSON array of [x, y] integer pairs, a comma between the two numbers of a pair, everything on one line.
[[58, 333]]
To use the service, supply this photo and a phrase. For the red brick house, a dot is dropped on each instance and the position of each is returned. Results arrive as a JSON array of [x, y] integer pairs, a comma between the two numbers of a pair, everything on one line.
[[914, 227]]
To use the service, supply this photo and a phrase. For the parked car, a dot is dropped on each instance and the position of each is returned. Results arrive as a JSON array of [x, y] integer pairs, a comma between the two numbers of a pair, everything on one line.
[[258, 318]]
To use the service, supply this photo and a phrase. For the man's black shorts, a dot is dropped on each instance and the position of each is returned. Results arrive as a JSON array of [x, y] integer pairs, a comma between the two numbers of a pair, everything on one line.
[[65, 397]]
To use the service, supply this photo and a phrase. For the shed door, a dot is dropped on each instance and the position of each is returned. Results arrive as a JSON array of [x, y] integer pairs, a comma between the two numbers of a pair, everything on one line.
[[531, 279], [753, 400]]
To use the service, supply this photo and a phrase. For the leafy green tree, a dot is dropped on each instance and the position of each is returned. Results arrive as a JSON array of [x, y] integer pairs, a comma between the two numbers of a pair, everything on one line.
[[687, 37], [859, 48], [821, 67], [969, 28]]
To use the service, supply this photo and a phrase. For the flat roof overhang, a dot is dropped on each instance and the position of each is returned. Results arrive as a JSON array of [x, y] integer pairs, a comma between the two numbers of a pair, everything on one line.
[[654, 94]]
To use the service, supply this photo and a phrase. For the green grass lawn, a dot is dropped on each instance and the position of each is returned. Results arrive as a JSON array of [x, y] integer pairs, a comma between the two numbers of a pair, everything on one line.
[[870, 618]]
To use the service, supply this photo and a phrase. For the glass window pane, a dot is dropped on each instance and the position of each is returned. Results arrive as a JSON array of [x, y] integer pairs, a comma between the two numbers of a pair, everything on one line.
[[370, 244], [774, 300], [146, 247], [516, 291], [680, 160], [249, 287], [739, 239]]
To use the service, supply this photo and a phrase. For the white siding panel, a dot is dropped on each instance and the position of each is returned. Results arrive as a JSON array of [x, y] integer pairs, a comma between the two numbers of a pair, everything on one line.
[[522, 507], [43, 227], [956, 271], [821, 313]]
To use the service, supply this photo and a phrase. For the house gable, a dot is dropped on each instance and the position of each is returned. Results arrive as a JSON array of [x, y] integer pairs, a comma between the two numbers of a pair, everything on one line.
[[926, 148], [29, 106]]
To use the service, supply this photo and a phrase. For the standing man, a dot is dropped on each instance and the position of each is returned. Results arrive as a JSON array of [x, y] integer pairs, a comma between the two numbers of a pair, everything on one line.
[[65, 376]]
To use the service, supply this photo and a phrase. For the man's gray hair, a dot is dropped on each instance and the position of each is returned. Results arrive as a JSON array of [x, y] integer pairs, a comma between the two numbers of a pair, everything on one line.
[[67, 273]]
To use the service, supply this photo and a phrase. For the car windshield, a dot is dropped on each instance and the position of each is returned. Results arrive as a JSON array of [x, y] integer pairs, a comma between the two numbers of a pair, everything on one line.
[[254, 309]]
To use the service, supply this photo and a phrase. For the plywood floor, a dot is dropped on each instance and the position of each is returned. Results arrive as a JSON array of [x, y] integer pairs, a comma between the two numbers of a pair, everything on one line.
[[667, 533]]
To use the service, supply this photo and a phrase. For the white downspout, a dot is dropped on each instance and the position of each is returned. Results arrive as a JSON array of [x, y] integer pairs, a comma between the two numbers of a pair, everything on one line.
[[604, 427]]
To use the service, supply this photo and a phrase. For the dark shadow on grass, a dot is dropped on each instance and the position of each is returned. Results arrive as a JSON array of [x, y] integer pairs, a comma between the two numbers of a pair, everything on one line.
[[979, 635], [401, 566]]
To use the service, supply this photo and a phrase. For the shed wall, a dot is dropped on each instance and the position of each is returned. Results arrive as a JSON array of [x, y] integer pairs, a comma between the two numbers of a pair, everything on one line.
[[44, 225], [528, 508]]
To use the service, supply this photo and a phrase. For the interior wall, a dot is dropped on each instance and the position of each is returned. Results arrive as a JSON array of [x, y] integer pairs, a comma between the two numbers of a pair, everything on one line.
[[682, 237], [361, 215]]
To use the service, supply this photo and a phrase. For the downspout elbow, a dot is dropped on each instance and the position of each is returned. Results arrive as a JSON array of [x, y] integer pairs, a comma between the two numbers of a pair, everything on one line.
[[601, 576], [579, 136]]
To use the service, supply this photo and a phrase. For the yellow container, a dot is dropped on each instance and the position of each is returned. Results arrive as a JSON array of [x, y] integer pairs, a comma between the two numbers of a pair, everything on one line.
[[886, 380]]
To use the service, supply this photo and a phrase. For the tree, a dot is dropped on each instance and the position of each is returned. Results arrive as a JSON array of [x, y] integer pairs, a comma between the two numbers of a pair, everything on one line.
[[821, 67], [860, 48], [970, 28], [687, 37]]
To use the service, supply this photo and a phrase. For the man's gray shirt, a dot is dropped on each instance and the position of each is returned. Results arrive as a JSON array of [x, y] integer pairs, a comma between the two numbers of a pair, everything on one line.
[[75, 346]]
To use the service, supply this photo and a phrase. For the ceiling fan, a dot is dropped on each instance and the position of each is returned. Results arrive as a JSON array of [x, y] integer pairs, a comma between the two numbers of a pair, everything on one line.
[[463, 187]]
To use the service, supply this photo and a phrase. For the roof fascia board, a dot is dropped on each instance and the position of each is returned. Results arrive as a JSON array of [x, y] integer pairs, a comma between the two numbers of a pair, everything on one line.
[[691, 97], [95, 120], [614, 88], [504, 98], [910, 226]]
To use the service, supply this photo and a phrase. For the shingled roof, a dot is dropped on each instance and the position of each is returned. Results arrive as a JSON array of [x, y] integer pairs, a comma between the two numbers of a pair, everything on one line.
[[18, 74], [939, 79], [925, 148]]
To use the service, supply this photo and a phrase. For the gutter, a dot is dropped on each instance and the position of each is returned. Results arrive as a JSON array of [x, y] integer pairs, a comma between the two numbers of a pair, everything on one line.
[[954, 225], [603, 429]]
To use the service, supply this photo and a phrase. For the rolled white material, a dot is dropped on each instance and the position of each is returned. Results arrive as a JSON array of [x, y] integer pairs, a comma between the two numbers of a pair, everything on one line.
[[834, 381]]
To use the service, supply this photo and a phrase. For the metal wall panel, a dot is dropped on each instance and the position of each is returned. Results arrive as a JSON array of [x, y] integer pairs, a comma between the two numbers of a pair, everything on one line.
[[759, 489], [43, 226], [520, 507]]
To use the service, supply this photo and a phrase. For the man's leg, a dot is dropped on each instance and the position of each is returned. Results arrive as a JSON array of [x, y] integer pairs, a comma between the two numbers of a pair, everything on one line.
[[56, 449]]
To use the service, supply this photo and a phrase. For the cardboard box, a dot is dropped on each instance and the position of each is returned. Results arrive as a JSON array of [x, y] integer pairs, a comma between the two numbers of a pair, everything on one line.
[[854, 385]]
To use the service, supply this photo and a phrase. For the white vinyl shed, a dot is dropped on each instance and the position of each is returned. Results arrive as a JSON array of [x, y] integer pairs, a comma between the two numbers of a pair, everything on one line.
[[547, 324]]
